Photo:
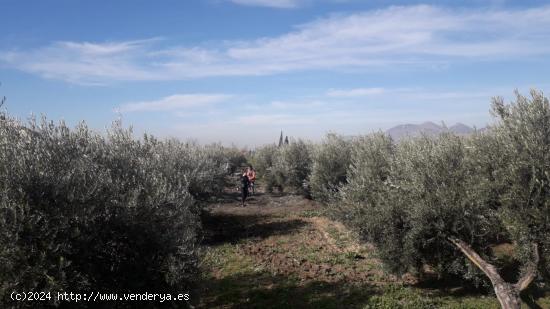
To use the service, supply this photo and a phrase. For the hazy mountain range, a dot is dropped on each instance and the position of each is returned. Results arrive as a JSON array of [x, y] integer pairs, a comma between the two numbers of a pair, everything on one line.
[[429, 128]]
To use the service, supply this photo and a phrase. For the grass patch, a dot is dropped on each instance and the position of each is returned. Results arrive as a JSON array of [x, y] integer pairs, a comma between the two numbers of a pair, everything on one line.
[[310, 213]]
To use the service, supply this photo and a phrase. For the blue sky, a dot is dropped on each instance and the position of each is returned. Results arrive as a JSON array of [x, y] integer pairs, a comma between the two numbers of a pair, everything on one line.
[[239, 71]]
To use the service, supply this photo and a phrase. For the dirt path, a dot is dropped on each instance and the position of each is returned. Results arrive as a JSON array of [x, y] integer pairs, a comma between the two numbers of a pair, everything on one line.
[[278, 244]]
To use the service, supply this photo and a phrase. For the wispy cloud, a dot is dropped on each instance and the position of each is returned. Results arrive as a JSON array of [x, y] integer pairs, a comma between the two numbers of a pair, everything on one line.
[[84, 63], [295, 105], [280, 4], [356, 92], [174, 102], [398, 36], [410, 94]]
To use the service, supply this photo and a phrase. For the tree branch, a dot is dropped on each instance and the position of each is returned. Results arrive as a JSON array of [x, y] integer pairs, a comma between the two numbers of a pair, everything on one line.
[[489, 270]]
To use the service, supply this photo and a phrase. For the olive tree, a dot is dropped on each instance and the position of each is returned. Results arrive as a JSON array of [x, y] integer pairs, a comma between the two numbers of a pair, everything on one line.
[[449, 201], [330, 166], [81, 211], [292, 165], [262, 161], [370, 162], [284, 167], [523, 206]]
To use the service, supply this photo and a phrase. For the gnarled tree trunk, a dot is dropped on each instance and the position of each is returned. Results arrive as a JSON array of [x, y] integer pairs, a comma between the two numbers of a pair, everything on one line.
[[507, 293]]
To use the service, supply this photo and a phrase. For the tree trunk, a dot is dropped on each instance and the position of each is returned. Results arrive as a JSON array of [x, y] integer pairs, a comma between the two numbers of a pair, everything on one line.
[[507, 293]]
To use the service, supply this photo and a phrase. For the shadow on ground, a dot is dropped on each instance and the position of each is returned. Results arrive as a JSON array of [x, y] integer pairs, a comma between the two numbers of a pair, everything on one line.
[[232, 228], [234, 196], [264, 290]]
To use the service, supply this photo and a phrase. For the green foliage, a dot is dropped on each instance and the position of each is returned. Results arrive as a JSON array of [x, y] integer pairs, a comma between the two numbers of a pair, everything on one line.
[[234, 159], [86, 212], [291, 166], [408, 198], [331, 161], [366, 203], [205, 167], [370, 159], [524, 132], [285, 167], [490, 188], [262, 160]]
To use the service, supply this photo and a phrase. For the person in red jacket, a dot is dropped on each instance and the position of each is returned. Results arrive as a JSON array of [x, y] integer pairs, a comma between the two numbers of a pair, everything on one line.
[[251, 174]]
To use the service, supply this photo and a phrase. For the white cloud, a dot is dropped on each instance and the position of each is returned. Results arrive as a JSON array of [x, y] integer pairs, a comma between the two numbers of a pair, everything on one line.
[[356, 92], [411, 94], [396, 36], [280, 4], [84, 63], [174, 102], [295, 105]]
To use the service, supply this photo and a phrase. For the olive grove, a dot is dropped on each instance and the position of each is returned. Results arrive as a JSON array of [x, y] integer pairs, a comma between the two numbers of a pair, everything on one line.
[[449, 202], [82, 211]]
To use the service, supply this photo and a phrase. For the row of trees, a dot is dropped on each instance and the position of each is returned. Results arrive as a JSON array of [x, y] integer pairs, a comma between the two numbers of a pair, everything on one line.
[[82, 211], [446, 202], [284, 167]]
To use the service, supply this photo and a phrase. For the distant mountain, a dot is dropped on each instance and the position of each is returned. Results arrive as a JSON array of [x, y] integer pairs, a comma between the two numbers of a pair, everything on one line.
[[461, 128], [429, 128]]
